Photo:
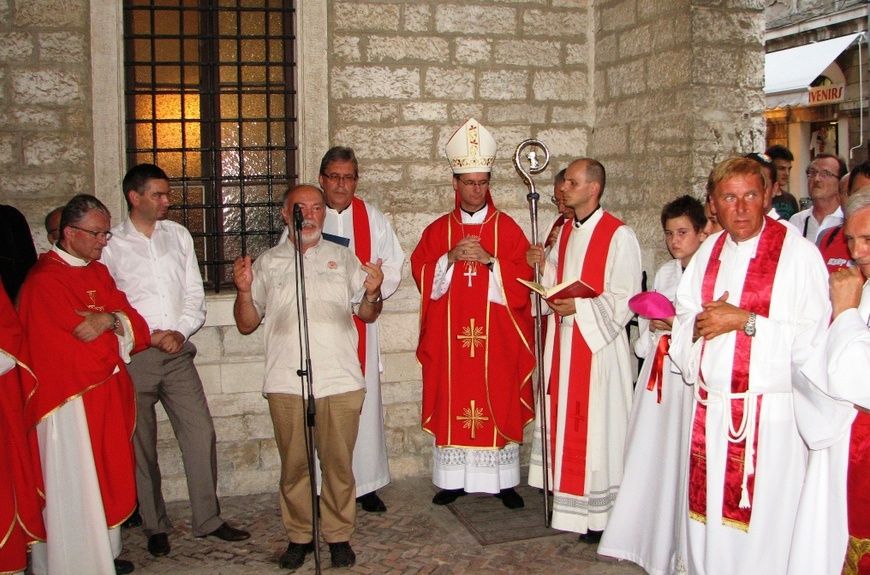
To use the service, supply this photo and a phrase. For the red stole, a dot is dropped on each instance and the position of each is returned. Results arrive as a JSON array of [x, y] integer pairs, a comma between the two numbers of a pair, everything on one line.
[[757, 288], [858, 497], [362, 247], [573, 461]]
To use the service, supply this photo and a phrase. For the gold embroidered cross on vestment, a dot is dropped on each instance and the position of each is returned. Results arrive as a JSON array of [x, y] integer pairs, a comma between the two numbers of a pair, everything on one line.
[[471, 337], [473, 418]]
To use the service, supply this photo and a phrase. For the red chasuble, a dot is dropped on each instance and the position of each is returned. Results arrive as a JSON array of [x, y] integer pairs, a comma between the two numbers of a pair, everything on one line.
[[21, 490], [66, 367], [757, 288], [573, 464], [477, 357]]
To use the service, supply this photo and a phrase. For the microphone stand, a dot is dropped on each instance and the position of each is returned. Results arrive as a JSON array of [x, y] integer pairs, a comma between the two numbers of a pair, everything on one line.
[[305, 376], [536, 167]]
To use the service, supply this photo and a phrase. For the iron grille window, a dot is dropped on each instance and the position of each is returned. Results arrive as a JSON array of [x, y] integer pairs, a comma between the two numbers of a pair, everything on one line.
[[210, 96]]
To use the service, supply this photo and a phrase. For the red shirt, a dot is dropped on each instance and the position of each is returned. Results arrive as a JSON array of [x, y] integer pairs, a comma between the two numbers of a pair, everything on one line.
[[834, 249]]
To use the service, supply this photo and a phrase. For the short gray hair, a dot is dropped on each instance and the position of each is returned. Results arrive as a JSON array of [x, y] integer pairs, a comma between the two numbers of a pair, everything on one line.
[[857, 201], [77, 208]]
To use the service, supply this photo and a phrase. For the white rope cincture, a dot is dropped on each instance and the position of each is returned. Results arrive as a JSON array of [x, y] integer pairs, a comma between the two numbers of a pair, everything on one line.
[[745, 431]]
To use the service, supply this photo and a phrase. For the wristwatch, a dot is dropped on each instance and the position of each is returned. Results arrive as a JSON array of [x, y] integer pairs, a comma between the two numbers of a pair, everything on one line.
[[749, 326], [491, 263], [379, 298]]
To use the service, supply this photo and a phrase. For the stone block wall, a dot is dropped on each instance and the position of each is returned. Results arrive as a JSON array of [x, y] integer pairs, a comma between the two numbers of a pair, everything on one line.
[[678, 87], [46, 154]]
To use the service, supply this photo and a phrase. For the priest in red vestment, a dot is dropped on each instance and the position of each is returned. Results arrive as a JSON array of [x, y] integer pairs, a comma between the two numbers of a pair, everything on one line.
[[79, 329], [20, 477], [475, 332]]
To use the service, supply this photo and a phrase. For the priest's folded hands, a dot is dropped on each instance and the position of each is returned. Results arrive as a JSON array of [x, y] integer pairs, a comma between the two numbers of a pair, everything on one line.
[[719, 317]]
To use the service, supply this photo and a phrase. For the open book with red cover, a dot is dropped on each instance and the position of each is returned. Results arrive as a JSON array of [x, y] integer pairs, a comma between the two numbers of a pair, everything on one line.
[[565, 290]]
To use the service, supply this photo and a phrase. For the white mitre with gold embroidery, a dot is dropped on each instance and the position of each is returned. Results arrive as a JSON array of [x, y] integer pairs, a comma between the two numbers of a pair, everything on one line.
[[471, 149]]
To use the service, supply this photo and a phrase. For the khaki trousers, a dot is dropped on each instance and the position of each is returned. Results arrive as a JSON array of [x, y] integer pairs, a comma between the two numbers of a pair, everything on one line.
[[335, 429]]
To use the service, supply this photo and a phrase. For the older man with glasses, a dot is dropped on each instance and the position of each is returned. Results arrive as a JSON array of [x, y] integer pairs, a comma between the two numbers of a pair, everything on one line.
[[79, 332], [823, 180], [359, 225]]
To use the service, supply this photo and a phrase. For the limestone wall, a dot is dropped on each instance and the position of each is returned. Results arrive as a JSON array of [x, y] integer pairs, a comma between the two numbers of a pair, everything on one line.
[[678, 87], [45, 131]]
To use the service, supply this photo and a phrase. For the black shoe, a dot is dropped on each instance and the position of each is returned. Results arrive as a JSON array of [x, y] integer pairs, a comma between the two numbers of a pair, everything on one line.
[[228, 533], [510, 498], [342, 555], [446, 496], [135, 520], [158, 545], [372, 503], [591, 537], [122, 566], [294, 557]]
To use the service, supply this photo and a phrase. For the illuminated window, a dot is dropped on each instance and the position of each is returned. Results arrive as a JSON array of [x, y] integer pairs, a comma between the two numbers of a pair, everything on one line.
[[210, 97]]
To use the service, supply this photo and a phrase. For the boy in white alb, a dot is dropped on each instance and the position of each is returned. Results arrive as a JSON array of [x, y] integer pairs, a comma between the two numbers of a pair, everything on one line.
[[642, 526]]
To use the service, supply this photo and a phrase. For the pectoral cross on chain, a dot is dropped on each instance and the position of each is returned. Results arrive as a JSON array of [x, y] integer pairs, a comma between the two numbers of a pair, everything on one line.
[[470, 271], [473, 418]]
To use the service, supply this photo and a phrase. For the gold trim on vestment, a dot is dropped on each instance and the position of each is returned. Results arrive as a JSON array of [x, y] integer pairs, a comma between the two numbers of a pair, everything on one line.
[[449, 335], [856, 549], [727, 522], [475, 448], [420, 330], [16, 520], [11, 527], [72, 397], [121, 522], [736, 524], [23, 366]]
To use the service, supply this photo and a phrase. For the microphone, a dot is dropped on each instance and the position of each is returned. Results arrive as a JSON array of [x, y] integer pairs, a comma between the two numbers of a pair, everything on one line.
[[297, 216]]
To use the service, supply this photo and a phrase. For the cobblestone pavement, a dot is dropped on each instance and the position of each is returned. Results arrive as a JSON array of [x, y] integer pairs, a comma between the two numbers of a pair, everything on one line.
[[414, 536]]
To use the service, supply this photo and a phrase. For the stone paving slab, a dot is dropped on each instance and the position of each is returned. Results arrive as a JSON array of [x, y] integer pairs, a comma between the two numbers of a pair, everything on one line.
[[413, 537]]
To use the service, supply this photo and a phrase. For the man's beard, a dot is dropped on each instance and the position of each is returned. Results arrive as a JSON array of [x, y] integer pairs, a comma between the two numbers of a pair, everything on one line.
[[310, 232]]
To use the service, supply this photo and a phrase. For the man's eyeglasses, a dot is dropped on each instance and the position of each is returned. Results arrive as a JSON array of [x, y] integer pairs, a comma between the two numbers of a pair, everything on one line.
[[339, 178], [812, 173], [99, 235], [472, 183]]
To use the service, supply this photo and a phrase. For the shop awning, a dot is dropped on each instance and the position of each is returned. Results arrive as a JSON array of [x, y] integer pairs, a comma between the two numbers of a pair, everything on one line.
[[788, 73]]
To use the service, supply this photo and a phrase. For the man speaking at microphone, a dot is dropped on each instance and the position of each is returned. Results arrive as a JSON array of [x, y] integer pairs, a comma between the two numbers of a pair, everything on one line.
[[342, 288]]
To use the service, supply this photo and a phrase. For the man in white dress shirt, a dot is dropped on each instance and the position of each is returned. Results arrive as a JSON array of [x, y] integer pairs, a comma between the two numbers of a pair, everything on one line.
[[152, 259], [823, 182]]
